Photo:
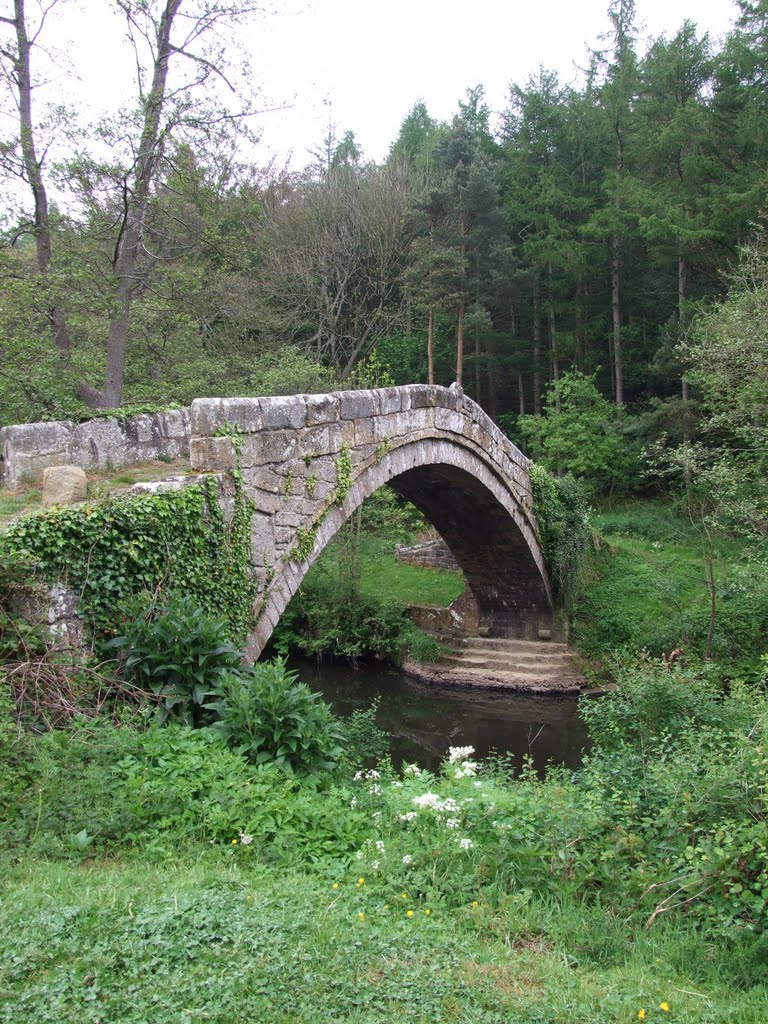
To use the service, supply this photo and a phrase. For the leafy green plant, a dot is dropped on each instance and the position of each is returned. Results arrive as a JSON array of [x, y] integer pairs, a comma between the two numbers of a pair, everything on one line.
[[178, 652], [364, 742], [266, 715], [567, 542], [110, 550], [581, 433]]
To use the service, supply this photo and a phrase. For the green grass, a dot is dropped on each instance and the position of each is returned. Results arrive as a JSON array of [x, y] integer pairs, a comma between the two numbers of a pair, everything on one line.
[[411, 584], [648, 590], [209, 937]]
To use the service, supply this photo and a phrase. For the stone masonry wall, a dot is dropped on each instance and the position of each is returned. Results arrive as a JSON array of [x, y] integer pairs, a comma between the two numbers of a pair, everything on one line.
[[30, 448], [433, 444], [432, 554]]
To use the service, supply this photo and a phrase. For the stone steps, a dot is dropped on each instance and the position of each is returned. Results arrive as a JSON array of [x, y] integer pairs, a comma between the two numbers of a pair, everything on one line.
[[505, 663]]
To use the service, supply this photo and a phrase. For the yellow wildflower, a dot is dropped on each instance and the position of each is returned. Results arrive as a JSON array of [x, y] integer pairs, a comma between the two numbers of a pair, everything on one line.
[[409, 913], [335, 885], [234, 842], [474, 903], [361, 915], [361, 881], [427, 912], [664, 1007], [404, 896], [641, 1015]]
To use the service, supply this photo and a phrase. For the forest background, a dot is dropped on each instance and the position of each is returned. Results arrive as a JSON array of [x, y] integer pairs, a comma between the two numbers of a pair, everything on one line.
[[585, 234]]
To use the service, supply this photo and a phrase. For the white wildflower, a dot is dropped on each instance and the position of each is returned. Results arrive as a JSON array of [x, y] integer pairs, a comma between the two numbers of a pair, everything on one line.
[[465, 844], [452, 823], [456, 754], [426, 800], [397, 784], [412, 769], [245, 839], [408, 816], [407, 859], [359, 855], [375, 789], [380, 846], [374, 865], [353, 802]]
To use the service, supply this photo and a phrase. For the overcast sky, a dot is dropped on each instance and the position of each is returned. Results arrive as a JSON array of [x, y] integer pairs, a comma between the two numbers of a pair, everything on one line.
[[363, 65]]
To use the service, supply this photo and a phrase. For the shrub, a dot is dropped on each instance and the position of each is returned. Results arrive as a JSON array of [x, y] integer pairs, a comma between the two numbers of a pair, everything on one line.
[[179, 653], [583, 434], [364, 742], [267, 716]]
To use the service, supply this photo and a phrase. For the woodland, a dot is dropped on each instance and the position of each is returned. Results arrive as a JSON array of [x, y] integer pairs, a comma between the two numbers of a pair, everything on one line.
[[582, 228], [186, 837]]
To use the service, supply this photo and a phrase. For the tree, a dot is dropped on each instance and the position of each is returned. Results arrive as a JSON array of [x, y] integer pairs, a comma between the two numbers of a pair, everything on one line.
[[617, 98], [180, 65], [334, 256], [21, 158]]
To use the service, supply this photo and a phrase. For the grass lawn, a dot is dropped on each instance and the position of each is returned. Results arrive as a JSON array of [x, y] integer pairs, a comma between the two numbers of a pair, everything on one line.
[[411, 584], [216, 937], [650, 591]]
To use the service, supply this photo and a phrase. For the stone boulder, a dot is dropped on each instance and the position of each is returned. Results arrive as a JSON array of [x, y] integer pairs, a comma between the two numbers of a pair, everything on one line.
[[64, 485]]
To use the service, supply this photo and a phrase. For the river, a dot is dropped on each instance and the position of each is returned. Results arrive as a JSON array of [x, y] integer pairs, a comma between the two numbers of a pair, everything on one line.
[[425, 720]]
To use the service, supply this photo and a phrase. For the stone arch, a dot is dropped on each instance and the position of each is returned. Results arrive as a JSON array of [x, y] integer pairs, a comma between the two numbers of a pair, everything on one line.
[[433, 445]]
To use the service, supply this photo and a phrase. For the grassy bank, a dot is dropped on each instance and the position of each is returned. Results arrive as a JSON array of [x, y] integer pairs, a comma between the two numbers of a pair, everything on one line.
[[207, 937]]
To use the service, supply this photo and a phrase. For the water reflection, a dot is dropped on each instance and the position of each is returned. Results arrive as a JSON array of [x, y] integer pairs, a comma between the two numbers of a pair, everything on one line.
[[426, 720]]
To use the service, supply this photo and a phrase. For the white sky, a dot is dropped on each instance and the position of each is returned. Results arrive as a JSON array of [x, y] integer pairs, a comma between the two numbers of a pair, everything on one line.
[[363, 65]]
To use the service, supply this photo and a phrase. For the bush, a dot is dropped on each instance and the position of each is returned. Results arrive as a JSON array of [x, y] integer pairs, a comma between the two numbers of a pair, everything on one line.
[[179, 653], [364, 742], [267, 716], [100, 787], [583, 434]]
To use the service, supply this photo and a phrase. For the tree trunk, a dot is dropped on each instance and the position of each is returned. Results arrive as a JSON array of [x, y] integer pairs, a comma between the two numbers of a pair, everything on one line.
[[431, 347], [616, 308], [554, 357], [536, 351], [682, 282], [460, 345], [520, 393], [477, 395], [135, 203], [33, 169]]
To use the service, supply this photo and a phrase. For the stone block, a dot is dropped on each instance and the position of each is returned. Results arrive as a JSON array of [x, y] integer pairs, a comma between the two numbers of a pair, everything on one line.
[[322, 409], [287, 413], [64, 485], [389, 400], [210, 415], [356, 405], [211, 454], [102, 444], [274, 447]]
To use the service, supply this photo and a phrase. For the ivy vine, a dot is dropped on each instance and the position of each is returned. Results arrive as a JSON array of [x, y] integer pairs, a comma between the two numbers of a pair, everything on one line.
[[109, 551]]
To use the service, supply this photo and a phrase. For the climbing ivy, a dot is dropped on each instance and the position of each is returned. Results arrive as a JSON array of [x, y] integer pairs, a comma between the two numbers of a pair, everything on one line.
[[566, 538], [178, 540], [343, 474]]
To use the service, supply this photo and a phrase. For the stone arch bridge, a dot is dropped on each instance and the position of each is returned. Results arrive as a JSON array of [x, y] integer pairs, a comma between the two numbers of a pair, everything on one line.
[[308, 461]]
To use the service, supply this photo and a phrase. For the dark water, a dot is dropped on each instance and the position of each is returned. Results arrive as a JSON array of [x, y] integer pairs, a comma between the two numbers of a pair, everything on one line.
[[426, 720]]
